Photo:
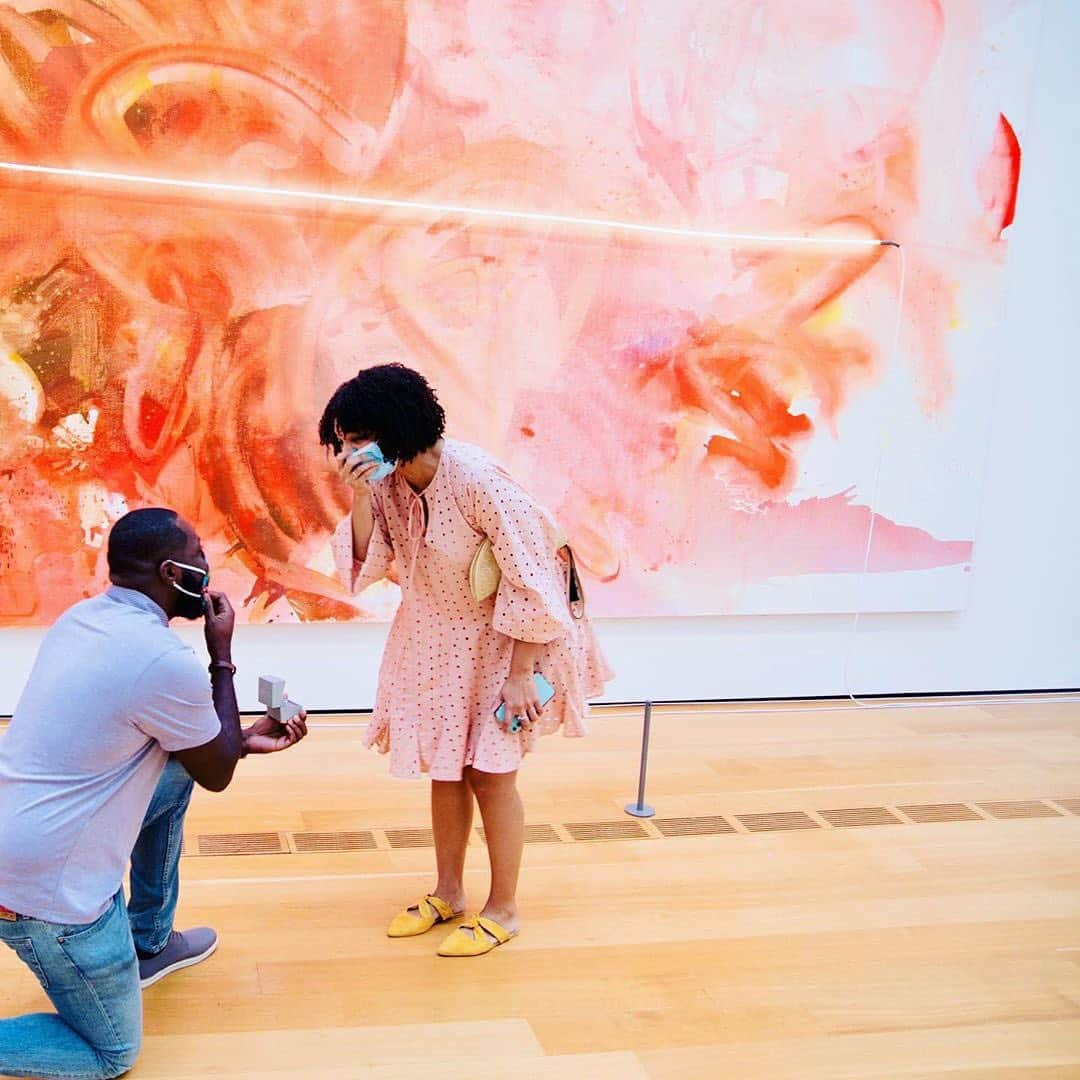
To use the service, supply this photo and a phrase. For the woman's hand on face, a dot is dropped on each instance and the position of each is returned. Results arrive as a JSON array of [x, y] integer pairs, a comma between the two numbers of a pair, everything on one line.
[[355, 470], [521, 699]]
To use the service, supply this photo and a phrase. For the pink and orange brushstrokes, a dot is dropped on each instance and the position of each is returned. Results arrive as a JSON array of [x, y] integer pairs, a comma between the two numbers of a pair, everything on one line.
[[165, 347]]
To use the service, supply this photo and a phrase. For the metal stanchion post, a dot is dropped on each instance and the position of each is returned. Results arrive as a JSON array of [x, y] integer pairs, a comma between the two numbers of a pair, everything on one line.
[[639, 809]]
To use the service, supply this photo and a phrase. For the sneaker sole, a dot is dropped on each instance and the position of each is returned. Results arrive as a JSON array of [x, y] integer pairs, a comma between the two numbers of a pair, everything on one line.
[[190, 961]]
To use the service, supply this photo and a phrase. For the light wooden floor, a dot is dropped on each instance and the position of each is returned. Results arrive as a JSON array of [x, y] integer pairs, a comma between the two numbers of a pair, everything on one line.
[[949, 948]]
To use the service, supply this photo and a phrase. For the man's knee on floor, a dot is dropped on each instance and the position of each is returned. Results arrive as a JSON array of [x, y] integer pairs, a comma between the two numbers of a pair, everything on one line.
[[118, 1062]]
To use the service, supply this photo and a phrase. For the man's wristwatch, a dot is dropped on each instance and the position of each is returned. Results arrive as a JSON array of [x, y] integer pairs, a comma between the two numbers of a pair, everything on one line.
[[224, 665]]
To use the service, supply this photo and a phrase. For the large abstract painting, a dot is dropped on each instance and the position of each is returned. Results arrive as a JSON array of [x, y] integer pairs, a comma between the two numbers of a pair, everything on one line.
[[763, 409]]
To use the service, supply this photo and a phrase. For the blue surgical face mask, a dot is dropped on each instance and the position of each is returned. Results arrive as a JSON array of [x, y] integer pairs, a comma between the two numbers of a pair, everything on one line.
[[373, 452]]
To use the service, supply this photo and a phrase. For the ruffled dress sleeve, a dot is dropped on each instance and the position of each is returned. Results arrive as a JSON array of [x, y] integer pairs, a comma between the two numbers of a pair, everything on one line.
[[531, 603], [354, 574]]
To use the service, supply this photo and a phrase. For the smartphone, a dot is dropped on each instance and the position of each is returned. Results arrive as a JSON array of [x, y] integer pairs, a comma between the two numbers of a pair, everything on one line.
[[373, 452], [544, 690]]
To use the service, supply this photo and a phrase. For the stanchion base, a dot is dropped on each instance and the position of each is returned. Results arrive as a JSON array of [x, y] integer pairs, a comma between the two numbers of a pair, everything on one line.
[[634, 810]]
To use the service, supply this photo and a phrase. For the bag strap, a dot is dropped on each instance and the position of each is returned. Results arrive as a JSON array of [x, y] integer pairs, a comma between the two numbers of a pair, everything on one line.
[[576, 593]]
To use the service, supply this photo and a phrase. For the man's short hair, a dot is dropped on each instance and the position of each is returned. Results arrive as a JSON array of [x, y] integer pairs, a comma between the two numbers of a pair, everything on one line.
[[142, 540]]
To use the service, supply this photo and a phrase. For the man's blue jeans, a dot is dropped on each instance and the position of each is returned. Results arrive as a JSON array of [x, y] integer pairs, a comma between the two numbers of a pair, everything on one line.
[[91, 972]]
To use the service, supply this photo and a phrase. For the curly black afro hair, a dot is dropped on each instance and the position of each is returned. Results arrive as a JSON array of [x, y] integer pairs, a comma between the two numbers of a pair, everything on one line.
[[389, 404]]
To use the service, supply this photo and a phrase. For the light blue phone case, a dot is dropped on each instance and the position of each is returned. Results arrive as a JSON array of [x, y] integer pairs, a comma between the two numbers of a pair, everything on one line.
[[545, 691]]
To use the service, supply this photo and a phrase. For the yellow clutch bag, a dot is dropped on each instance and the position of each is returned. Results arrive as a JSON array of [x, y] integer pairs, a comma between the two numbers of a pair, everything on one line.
[[484, 572], [485, 575]]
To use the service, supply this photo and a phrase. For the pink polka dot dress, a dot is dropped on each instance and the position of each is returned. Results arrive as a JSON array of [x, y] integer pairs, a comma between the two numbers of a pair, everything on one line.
[[448, 655]]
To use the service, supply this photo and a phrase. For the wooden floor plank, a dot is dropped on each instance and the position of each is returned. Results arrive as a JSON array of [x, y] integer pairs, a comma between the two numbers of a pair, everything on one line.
[[312, 1051]]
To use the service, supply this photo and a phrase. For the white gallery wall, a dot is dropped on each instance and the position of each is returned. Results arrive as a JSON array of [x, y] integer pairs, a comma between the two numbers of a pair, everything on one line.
[[1021, 627]]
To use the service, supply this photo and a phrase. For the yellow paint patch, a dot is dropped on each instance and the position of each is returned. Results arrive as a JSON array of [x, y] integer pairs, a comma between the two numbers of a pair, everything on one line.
[[20, 386], [829, 316]]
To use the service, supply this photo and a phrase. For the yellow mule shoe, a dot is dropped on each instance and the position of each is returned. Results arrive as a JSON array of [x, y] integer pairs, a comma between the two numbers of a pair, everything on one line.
[[420, 919], [476, 937]]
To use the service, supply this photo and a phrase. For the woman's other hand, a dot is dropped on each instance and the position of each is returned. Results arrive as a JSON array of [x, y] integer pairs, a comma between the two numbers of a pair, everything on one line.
[[521, 699], [355, 470]]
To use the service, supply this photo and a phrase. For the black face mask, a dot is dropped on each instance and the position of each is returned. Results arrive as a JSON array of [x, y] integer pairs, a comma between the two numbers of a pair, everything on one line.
[[190, 607], [193, 581]]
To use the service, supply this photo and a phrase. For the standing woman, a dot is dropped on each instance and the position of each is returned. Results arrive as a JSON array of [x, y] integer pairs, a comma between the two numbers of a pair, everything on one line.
[[454, 656]]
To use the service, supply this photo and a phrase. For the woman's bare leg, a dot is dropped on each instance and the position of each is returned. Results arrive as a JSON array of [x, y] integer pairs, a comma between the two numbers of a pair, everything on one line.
[[451, 820], [504, 829]]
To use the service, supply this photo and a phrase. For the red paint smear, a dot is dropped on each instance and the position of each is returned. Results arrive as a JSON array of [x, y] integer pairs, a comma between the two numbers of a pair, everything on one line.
[[999, 177], [665, 152], [152, 417], [719, 377], [819, 536], [823, 536], [732, 373]]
